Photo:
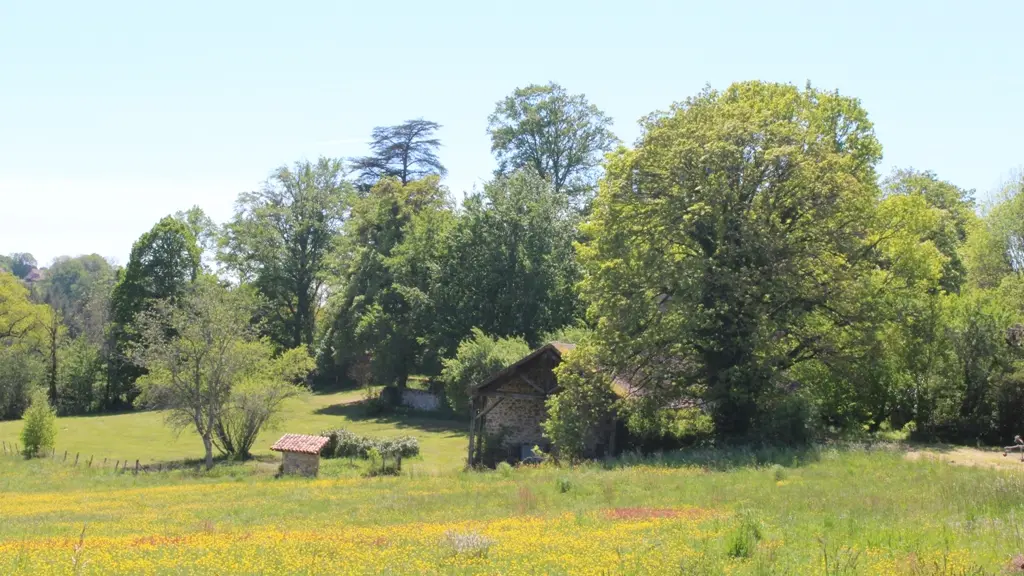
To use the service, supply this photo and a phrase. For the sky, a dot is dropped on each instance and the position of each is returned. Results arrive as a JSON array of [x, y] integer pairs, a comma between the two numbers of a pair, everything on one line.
[[113, 115]]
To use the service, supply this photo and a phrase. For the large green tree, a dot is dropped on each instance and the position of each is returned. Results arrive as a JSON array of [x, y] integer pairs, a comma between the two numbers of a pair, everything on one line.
[[510, 269], [726, 248], [281, 240], [23, 343], [163, 263], [560, 136], [957, 216], [384, 314]]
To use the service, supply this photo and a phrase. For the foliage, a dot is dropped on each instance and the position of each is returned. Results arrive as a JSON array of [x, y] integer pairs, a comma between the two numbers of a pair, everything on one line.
[[197, 352], [23, 342], [477, 358], [40, 430], [258, 397], [728, 247], [407, 152], [281, 241], [560, 136], [510, 269], [205, 231], [345, 444], [162, 265], [80, 289], [577, 414], [21, 264], [79, 377], [385, 311]]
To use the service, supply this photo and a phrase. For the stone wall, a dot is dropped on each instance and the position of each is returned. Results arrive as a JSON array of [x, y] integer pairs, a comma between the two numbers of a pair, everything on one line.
[[420, 400], [300, 463], [519, 419]]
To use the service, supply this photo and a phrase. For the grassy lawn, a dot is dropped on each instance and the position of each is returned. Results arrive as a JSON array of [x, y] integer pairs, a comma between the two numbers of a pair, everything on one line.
[[822, 511], [143, 435]]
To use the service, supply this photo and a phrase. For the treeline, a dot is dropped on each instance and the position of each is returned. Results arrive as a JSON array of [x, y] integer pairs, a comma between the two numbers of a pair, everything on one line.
[[743, 260]]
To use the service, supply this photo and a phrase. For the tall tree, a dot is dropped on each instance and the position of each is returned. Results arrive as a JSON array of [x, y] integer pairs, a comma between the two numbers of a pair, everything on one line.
[[726, 246], [407, 152], [22, 345], [162, 264], [510, 269], [561, 136], [80, 289], [957, 217], [22, 263], [281, 239], [205, 230], [396, 236]]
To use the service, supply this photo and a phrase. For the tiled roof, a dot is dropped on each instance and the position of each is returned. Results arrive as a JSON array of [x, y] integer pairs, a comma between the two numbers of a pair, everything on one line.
[[300, 443]]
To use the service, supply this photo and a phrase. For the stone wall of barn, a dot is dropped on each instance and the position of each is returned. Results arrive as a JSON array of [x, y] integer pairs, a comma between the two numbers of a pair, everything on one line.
[[300, 463], [518, 420]]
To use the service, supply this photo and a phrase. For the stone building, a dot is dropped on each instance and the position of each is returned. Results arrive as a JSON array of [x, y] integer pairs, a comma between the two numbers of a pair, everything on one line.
[[300, 454], [509, 407]]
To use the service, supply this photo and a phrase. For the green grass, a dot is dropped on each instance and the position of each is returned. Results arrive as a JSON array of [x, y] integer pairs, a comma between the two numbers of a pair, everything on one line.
[[819, 511], [145, 437]]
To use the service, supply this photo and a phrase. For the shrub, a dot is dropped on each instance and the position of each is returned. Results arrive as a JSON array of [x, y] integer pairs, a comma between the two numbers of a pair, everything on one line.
[[344, 444], [743, 541], [475, 359], [40, 431], [585, 401], [504, 468]]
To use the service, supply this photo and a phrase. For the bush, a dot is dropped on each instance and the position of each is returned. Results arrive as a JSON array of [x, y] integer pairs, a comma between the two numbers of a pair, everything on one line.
[[585, 402], [40, 431], [344, 444], [477, 358], [742, 543]]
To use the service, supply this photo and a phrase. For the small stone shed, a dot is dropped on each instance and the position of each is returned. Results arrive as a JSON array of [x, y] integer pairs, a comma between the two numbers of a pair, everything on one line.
[[510, 405], [300, 454]]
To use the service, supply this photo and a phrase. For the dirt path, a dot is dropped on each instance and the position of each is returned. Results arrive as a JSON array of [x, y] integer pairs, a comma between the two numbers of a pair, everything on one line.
[[964, 456]]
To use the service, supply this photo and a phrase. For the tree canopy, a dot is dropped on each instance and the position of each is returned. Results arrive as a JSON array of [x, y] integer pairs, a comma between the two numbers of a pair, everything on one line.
[[560, 136], [407, 152], [281, 240]]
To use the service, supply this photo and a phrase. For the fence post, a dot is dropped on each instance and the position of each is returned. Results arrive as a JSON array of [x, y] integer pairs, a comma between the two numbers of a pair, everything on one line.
[[76, 458], [136, 467], [90, 461], [5, 448], [116, 463], [65, 456], [104, 462]]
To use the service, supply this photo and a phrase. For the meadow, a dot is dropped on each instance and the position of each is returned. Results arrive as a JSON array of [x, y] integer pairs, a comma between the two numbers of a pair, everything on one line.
[[840, 510], [143, 435]]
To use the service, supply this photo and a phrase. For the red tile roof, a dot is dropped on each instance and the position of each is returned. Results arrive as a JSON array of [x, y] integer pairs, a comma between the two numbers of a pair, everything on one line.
[[300, 443]]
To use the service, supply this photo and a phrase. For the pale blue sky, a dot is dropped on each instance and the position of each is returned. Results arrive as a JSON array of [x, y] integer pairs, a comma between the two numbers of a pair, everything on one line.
[[113, 115]]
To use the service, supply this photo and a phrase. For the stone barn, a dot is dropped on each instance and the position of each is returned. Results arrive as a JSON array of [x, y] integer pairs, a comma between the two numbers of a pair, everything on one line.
[[300, 454], [508, 408]]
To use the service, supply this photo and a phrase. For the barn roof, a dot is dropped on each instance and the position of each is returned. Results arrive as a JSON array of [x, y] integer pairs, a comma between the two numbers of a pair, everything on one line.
[[556, 348], [300, 443]]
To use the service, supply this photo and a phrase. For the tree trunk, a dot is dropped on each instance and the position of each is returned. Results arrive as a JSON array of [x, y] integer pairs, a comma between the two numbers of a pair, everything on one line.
[[208, 444], [52, 376]]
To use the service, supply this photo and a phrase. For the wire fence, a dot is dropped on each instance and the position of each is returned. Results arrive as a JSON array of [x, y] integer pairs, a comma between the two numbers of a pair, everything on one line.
[[11, 449]]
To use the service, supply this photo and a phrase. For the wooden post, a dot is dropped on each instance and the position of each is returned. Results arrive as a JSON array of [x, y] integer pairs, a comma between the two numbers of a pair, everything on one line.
[[136, 467], [116, 464], [472, 429], [104, 462], [5, 448], [76, 458], [90, 461], [65, 456]]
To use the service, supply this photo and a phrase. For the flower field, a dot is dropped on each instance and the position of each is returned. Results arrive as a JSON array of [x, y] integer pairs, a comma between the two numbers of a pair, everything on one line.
[[842, 513]]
